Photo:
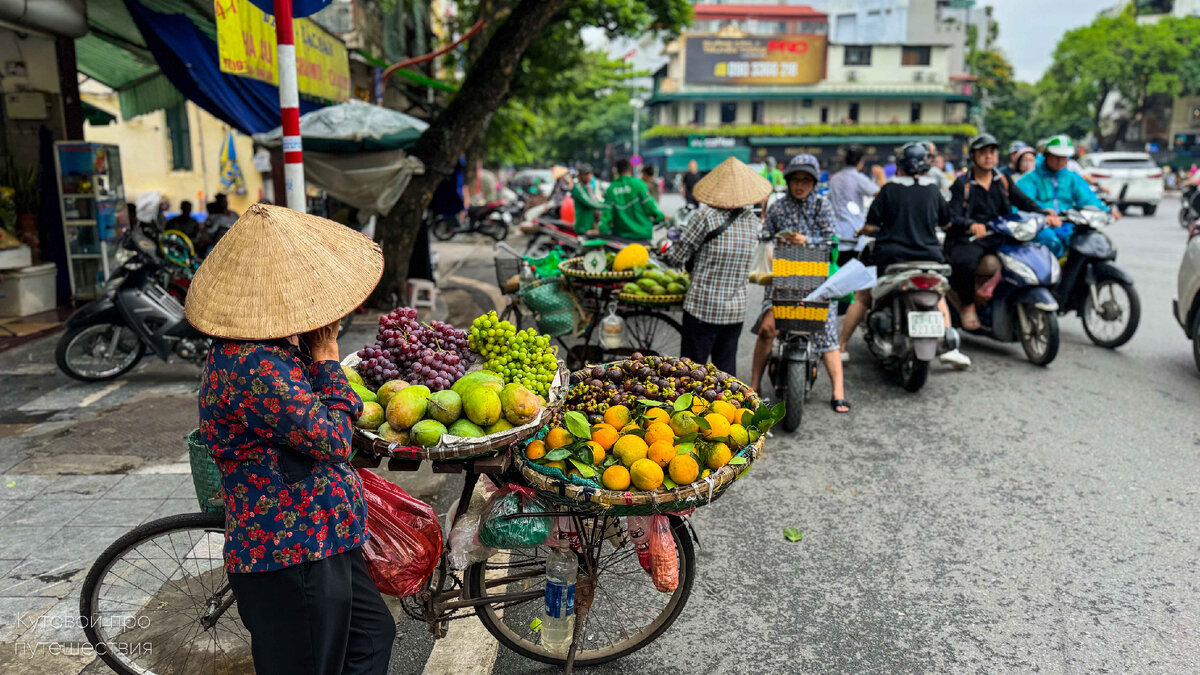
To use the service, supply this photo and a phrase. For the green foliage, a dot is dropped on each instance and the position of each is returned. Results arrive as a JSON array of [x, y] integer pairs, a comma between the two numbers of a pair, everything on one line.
[[816, 130]]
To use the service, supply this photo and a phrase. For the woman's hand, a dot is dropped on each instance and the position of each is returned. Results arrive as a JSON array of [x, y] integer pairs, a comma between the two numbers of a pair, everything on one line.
[[793, 237], [979, 230], [322, 342]]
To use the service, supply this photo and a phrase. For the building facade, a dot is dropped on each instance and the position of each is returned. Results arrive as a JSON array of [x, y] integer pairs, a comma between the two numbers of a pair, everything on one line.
[[746, 82]]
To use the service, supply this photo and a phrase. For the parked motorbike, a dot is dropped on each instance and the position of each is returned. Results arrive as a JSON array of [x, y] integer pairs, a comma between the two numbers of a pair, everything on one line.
[[546, 233], [904, 326], [1189, 205], [492, 219], [108, 336], [1101, 293], [1022, 307]]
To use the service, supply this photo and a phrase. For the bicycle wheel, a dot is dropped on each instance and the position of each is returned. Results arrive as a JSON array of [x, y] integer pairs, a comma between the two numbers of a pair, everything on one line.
[[649, 332], [627, 612], [157, 601]]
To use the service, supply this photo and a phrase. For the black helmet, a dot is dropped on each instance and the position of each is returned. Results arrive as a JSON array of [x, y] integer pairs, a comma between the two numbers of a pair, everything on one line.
[[913, 159], [983, 141]]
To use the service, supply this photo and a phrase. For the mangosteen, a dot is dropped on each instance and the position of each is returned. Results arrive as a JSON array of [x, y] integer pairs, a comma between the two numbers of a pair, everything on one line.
[[710, 396], [645, 372], [637, 356], [595, 418], [615, 375], [639, 390], [597, 372]]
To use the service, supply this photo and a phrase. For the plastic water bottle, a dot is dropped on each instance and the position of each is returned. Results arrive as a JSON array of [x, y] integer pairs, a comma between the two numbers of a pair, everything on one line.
[[558, 619]]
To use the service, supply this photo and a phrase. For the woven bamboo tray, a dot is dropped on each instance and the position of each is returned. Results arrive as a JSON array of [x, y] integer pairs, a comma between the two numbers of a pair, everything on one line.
[[571, 268], [654, 300], [635, 503], [457, 447]]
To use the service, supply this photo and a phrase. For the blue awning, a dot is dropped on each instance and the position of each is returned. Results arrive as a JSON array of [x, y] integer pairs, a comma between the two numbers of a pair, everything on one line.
[[189, 59]]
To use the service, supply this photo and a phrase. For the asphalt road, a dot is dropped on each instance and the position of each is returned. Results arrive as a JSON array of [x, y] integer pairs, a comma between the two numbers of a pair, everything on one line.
[[1008, 518]]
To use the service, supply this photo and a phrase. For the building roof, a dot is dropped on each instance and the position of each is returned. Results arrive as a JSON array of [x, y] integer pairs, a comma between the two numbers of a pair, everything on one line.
[[776, 12]]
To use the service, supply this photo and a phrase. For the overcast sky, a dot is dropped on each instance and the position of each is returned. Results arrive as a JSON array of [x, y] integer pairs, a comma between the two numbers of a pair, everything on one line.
[[1029, 29]]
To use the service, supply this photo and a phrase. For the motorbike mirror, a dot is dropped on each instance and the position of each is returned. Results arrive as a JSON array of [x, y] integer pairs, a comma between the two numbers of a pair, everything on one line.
[[853, 208]]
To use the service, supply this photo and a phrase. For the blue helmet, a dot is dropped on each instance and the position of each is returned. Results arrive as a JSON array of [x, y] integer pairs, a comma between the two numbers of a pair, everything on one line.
[[803, 163], [914, 158]]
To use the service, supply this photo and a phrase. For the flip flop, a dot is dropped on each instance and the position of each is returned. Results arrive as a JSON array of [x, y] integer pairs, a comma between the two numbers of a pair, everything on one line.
[[839, 403]]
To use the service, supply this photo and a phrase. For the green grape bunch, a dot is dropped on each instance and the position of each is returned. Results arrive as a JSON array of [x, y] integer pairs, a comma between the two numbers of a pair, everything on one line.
[[490, 337], [524, 357]]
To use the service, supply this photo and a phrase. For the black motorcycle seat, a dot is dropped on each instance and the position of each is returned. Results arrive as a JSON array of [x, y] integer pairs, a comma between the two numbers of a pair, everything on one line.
[[926, 265], [476, 211]]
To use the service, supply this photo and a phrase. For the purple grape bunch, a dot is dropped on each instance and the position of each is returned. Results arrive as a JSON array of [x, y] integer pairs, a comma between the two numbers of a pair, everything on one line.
[[434, 354]]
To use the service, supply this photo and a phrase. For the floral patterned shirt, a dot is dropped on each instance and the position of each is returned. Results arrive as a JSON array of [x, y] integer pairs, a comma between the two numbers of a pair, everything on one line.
[[279, 428]]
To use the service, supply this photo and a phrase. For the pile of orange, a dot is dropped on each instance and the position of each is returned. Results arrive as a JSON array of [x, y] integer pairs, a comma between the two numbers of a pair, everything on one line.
[[644, 450]]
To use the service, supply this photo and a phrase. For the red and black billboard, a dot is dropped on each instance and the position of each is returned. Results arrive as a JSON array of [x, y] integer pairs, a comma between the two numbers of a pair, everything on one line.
[[779, 59]]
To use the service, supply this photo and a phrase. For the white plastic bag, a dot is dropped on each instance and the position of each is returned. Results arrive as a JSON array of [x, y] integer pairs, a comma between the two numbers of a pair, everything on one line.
[[851, 277], [760, 265], [464, 551]]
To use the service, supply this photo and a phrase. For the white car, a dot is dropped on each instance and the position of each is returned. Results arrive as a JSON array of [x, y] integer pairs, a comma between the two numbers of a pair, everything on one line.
[[1128, 178], [1187, 302]]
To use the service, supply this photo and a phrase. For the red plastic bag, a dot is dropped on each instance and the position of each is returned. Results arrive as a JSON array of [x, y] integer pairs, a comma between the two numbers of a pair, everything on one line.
[[406, 537]]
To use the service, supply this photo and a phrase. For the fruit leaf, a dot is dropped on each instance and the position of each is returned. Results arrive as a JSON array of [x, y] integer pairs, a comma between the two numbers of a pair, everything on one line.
[[703, 424], [585, 470], [737, 460], [583, 454], [577, 424], [669, 484], [683, 402], [535, 625], [650, 404], [702, 452], [555, 455], [777, 412], [609, 461], [687, 438], [683, 449], [792, 534]]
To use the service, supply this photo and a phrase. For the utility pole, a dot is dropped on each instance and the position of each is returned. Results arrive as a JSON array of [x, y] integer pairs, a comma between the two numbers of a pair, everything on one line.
[[637, 104], [289, 107]]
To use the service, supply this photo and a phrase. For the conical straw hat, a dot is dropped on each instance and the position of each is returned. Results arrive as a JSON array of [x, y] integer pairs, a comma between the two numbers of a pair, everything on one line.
[[279, 272], [731, 185]]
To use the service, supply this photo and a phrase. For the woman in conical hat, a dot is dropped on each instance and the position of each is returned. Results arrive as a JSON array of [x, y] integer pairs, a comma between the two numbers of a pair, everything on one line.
[[277, 412], [719, 242]]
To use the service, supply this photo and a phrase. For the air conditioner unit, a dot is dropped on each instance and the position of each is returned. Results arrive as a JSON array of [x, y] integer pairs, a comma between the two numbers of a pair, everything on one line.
[[919, 76], [852, 75]]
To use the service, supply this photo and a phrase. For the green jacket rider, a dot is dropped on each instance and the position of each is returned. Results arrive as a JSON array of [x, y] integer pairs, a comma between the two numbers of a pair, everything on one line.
[[631, 211], [587, 205]]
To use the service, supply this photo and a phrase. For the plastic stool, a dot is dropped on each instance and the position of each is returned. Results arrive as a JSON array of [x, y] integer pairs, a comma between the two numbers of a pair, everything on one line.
[[422, 293]]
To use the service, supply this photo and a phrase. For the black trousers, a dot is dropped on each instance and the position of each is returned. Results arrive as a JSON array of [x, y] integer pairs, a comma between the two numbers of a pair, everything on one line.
[[964, 257], [701, 340], [323, 617]]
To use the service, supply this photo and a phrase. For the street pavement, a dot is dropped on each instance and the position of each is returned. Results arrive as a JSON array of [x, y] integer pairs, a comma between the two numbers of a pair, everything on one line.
[[1008, 518]]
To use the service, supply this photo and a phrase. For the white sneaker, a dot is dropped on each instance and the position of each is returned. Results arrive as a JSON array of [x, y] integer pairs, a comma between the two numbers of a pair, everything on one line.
[[845, 356], [955, 358]]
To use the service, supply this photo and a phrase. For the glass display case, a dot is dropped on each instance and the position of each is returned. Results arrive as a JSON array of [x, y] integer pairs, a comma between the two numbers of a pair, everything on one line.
[[93, 196]]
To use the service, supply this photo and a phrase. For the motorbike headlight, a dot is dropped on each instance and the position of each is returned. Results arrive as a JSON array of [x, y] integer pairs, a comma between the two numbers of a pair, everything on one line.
[[1024, 230], [113, 282], [1055, 273], [1025, 272]]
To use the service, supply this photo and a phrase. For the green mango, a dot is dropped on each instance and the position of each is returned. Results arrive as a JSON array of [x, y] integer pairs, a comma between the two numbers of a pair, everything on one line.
[[631, 289], [365, 394], [656, 289], [646, 284], [676, 288]]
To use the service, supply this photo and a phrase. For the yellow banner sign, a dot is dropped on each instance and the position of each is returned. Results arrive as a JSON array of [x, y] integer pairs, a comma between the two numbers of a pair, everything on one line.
[[246, 44]]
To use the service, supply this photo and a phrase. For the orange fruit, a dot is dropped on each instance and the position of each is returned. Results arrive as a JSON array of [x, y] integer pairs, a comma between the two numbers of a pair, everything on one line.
[[616, 477], [573, 472], [646, 475], [597, 452], [656, 415], [718, 426], [535, 450], [558, 438], [726, 409], [658, 432], [629, 427], [617, 416], [604, 435], [558, 464], [630, 449], [699, 405], [683, 423], [718, 456], [683, 469], [662, 452], [738, 436]]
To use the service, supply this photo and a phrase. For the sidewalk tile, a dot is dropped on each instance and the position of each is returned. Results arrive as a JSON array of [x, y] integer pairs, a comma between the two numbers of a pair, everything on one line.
[[24, 540], [173, 507], [7, 506], [23, 486], [71, 542], [19, 615], [51, 512], [107, 511], [10, 458], [96, 486], [59, 624], [147, 486], [44, 578]]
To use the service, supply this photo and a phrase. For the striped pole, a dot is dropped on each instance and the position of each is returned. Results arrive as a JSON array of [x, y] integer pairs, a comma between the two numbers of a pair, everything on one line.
[[289, 107]]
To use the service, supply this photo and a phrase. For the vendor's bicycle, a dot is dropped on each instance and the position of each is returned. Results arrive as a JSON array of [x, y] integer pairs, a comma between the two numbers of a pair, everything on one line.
[[158, 601]]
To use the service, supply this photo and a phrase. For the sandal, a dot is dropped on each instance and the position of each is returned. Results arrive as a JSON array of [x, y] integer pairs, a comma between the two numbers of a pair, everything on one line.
[[839, 403], [970, 321]]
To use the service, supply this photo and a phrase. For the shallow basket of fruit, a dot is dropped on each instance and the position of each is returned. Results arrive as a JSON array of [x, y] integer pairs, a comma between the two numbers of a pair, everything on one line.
[[648, 435], [573, 268], [628, 263], [656, 286], [419, 401], [656, 300]]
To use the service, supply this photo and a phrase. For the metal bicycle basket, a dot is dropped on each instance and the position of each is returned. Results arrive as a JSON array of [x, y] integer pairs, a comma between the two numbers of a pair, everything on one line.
[[797, 270]]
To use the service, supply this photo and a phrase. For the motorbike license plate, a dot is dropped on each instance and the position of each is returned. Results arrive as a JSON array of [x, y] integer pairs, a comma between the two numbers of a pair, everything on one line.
[[926, 325]]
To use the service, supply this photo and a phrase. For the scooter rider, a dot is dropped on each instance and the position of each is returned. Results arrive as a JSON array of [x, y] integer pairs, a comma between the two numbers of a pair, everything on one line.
[[904, 219], [976, 198], [1057, 188]]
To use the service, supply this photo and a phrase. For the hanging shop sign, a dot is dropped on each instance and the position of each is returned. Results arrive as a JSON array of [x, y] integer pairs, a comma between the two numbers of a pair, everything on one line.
[[246, 46], [780, 59]]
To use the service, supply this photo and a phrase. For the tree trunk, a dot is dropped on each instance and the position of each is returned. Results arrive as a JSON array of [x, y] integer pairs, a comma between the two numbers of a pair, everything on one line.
[[446, 139]]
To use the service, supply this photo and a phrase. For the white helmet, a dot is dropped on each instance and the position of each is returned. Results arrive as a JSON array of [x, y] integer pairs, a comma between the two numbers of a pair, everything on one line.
[[1060, 146]]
